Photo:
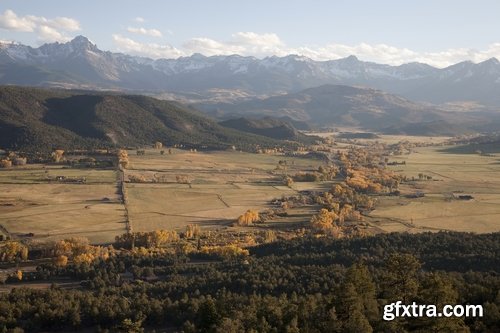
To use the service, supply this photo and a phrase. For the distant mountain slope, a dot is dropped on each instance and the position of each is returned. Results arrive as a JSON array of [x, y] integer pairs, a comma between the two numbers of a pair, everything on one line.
[[484, 144], [39, 119], [80, 64], [339, 105], [271, 127], [431, 128]]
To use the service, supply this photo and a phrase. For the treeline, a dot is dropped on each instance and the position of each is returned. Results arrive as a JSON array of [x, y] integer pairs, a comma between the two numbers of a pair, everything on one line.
[[302, 285]]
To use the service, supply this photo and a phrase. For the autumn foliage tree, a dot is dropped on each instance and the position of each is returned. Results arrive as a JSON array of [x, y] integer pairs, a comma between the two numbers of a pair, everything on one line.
[[76, 249], [123, 158], [248, 218], [57, 155], [159, 237], [11, 251], [192, 231], [61, 261], [324, 220], [226, 252], [5, 163], [152, 239]]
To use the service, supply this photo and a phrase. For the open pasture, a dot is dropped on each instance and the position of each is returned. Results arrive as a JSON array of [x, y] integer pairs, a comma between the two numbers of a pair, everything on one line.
[[441, 208], [39, 173], [55, 210], [222, 186]]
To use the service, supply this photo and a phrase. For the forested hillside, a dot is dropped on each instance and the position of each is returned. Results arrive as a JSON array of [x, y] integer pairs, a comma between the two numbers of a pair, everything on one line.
[[38, 119], [302, 285]]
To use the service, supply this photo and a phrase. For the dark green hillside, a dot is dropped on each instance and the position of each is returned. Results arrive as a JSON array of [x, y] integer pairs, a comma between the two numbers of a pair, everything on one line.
[[39, 119], [433, 128], [268, 126]]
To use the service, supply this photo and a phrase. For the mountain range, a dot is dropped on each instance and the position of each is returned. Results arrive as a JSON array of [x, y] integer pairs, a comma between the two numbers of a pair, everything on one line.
[[81, 64]]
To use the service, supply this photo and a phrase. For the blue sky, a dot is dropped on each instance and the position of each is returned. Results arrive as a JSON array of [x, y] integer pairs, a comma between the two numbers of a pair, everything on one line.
[[440, 32]]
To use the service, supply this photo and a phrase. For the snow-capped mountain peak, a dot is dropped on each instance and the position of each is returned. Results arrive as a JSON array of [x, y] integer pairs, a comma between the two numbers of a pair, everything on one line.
[[80, 62]]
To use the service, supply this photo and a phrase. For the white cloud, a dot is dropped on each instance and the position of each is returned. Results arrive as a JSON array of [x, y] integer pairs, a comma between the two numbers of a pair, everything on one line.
[[210, 47], [143, 31], [66, 23], [10, 21], [244, 43], [47, 29], [47, 33], [252, 38], [139, 19], [152, 50]]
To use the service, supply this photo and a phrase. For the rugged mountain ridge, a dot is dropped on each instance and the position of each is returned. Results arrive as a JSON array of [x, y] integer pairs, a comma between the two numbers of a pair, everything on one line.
[[81, 64]]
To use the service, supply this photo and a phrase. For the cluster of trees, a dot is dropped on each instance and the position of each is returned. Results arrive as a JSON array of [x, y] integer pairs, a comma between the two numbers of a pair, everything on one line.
[[288, 181], [11, 159], [57, 155], [269, 151], [324, 221], [323, 173], [230, 251], [152, 239], [12, 251], [123, 160], [5, 163], [192, 231], [345, 201], [136, 178], [360, 182], [300, 285], [361, 174], [248, 218], [76, 249], [422, 176], [328, 172], [332, 222], [364, 170], [307, 177]]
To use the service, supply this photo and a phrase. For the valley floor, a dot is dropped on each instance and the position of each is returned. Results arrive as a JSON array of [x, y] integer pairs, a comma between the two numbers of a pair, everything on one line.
[[211, 189]]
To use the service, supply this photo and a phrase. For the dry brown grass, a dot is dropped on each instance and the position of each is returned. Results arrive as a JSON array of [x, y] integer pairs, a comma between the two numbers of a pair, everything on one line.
[[476, 175]]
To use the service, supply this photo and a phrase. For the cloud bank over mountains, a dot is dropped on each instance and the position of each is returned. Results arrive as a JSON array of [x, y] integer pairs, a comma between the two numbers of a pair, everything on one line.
[[269, 44], [137, 40]]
